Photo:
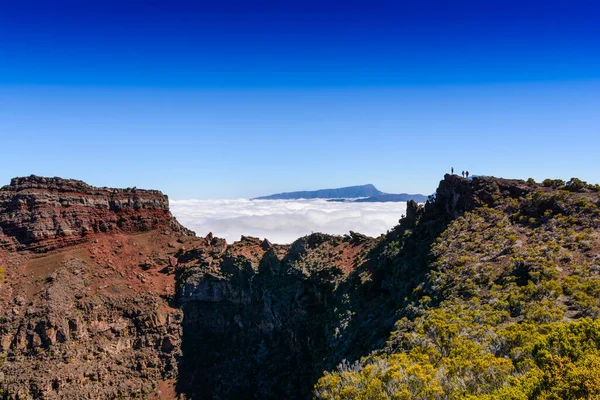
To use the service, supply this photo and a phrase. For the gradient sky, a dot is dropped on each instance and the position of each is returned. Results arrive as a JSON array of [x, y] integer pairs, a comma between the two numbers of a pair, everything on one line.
[[228, 99]]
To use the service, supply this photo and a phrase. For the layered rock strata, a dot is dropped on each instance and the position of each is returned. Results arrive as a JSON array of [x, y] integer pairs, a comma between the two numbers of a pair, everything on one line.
[[86, 287], [41, 214]]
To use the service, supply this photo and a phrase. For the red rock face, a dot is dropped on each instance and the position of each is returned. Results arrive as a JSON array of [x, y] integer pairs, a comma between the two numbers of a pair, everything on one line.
[[86, 275], [41, 214]]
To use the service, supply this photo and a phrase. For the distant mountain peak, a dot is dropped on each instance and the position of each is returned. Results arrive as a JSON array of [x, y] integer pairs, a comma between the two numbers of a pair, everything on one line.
[[362, 193], [348, 192]]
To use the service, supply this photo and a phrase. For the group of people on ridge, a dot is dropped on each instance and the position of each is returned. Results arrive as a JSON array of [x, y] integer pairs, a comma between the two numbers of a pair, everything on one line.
[[465, 174]]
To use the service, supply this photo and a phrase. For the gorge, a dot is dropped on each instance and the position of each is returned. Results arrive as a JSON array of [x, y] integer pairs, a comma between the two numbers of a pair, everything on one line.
[[105, 295]]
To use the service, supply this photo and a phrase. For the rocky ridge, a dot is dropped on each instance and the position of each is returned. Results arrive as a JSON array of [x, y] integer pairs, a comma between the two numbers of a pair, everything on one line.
[[42, 214], [143, 309], [325, 303]]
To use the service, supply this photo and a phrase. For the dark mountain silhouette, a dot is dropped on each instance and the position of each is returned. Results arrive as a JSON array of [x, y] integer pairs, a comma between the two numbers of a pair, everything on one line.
[[363, 193], [349, 192]]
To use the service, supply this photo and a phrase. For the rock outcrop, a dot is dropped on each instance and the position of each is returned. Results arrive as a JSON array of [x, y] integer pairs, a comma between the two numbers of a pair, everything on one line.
[[86, 281], [277, 306], [70, 342], [41, 214]]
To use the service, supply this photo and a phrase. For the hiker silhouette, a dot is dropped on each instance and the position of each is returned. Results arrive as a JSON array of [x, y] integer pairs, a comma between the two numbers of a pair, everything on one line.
[[463, 174], [452, 169], [467, 174]]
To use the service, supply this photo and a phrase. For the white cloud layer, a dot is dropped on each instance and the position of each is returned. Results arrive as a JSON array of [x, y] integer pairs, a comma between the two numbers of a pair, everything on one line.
[[283, 221]]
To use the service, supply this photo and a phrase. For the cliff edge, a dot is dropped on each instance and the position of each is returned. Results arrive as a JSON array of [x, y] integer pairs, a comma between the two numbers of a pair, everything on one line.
[[42, 214]]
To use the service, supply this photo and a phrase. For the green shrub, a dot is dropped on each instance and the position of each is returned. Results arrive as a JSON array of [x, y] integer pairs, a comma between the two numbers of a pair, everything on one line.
[[554, 183], [576, 185], [520, 361]]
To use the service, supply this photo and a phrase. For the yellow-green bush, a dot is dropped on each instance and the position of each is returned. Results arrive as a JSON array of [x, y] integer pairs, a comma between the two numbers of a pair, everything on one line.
[[496, 316], [552, 361]]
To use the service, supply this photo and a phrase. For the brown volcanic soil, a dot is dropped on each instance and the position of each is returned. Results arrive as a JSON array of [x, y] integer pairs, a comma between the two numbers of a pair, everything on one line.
[[122, 264], [83, 308], [85, 302]]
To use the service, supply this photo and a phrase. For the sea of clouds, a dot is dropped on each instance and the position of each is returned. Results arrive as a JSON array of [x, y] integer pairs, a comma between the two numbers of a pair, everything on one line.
[[283, 221]]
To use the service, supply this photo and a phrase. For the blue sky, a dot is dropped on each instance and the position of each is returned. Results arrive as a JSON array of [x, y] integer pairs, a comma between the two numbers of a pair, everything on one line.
[[235, 99]]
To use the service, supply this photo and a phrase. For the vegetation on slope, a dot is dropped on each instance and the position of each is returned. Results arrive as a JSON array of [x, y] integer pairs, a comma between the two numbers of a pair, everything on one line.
[[496, 286]]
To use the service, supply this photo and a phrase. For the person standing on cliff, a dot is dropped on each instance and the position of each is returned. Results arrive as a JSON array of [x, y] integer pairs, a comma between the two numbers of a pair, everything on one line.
[[463, 174], [467, 174], [452, 169]]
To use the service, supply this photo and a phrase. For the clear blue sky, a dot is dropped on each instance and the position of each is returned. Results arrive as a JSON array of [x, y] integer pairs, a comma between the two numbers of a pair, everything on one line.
[[227, 99]]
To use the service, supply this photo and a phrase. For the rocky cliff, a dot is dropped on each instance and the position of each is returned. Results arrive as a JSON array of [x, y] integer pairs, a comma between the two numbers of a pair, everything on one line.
[[355, 305], [70, 340], [259, 319], [136, 307], [41, 214], [86, 278]]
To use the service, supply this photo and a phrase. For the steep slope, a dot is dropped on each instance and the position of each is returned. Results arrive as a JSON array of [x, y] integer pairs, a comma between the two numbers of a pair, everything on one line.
[[440, 307], [258, 317], [84, 292], [502, 309]]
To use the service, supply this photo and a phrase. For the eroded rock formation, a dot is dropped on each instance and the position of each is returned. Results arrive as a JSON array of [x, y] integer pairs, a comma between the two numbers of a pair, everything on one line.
[[86, 282], [41, 214]]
